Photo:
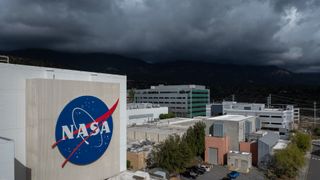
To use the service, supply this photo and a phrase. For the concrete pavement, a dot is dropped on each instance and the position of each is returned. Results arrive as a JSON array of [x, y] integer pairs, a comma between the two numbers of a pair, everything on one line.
[[314, 166]]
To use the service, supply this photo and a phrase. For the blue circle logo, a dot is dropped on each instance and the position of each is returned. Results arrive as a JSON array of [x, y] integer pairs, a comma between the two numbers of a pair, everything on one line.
[[84, 130]]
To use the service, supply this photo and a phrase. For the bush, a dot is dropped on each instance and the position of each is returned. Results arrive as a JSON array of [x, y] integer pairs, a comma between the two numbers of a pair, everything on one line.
[[129, 164], [167, 116], [303, 141], [316, 131]]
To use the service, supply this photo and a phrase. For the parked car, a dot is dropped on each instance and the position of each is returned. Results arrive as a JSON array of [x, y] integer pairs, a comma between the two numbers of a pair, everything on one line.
[[197, 170], [188, 174], [233, 175], [207, 168], [316, 143]]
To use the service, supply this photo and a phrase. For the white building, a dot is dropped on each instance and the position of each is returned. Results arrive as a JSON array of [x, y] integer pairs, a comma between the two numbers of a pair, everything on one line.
[[183, 100], [32, 100], [142, 113], [278, 119]]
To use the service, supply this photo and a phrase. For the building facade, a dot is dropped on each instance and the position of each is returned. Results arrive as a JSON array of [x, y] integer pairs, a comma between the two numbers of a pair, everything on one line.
[[143, 113], [265, 148], [279, 119], [182, 100], [224, 133], [214, 109], [55, 116], [239, 161]]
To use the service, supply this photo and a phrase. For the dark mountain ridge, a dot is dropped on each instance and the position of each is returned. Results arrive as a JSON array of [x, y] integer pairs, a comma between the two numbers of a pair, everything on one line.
[[141, 74]]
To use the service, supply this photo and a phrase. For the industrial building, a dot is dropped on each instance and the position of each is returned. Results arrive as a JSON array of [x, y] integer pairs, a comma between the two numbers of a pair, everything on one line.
[[160, 131], [142, 113], [183, 100], [214, 109], [224, 133], [54, 116], [239, 161], [279, 119], [137, 153], [266, 146]]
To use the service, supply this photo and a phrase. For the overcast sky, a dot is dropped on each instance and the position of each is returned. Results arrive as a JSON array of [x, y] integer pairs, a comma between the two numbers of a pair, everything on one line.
[[285, 33]]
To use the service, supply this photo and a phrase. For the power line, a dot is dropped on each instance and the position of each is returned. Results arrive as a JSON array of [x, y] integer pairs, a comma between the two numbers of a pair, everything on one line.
[[293, 99]]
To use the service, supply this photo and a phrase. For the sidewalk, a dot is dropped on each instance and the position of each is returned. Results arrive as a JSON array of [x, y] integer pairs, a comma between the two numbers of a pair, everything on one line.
[[303, 172]]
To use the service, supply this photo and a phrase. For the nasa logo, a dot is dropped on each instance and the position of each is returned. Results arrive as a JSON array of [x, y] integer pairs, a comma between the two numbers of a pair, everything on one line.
[[84, 130]]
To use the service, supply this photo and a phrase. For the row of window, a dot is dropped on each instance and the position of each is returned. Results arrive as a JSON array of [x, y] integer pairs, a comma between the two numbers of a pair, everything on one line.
[[199, 92], [271, 123], [160, 97], [268, 116]]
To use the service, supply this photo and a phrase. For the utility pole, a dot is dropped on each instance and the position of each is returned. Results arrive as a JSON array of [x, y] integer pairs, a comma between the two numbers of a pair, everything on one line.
[[314, 113], [233, 97]]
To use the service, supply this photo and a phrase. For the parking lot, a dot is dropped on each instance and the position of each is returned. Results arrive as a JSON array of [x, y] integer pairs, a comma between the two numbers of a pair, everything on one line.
[[219, 172]]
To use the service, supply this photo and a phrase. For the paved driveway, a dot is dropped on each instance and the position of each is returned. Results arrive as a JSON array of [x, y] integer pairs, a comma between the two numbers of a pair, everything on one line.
[[314, 165], [219, 172]]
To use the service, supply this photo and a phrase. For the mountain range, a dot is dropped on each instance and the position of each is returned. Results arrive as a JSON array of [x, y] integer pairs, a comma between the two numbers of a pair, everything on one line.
[[141, 74]]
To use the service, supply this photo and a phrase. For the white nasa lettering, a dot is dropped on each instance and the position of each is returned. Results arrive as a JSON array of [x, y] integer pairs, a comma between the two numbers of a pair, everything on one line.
[[94, 127], [67, 132], [105, 127], [82, 131]]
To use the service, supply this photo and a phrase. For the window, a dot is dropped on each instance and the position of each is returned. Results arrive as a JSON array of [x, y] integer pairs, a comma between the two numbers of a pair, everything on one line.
[[248, 127], [276, 123], [247, 108], [217, 130], [276, 116], [265, 116]]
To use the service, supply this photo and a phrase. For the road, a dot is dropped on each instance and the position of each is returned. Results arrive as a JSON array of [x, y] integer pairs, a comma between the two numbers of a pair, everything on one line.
[[314, 166]]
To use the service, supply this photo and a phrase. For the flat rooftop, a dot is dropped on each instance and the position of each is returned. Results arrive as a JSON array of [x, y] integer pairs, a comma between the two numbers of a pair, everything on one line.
[[230, 118], [167, 126], [281, 144]]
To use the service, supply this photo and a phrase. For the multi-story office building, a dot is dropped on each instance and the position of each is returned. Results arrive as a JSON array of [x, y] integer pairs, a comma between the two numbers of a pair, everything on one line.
[[278, 119], [182, 100]]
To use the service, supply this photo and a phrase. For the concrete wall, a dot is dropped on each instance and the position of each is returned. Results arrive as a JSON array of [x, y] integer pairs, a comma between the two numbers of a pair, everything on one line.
[[6, 159], [239, 162], [13, 102], [251, 147], [264, 154], [233, 129], [137, 160], [142, 116], [45, 100], [221, 144]]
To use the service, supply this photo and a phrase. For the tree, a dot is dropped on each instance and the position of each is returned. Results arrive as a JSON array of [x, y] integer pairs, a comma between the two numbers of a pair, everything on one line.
[[288, 161], [199, 132], [175, 153], [169, 154], [131, 95], [317, 131], [303, 141]]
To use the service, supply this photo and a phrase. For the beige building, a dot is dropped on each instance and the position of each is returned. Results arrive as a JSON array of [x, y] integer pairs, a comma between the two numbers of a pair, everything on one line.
[[32, 101], [239, 161]]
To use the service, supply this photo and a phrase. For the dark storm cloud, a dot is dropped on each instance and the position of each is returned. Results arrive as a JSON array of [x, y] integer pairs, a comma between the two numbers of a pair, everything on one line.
[[276, 32]]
